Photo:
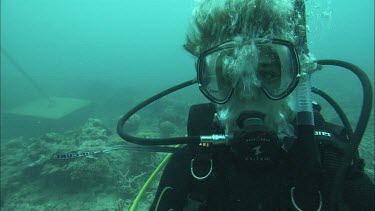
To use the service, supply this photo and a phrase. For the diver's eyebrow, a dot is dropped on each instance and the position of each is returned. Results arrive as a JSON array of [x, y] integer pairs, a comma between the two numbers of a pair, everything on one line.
[[269, 67]]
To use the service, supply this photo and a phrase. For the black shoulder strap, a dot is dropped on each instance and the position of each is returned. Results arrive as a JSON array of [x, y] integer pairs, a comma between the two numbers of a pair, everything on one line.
[[200, 120]]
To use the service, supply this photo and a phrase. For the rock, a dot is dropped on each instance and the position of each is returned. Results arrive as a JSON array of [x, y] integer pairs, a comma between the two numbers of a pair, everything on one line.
[[94, 129], [132, 125], [14, 143], [167, 129]]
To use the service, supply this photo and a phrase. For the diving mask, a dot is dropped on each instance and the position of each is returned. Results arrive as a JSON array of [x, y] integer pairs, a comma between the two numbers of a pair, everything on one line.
[[270, 64]]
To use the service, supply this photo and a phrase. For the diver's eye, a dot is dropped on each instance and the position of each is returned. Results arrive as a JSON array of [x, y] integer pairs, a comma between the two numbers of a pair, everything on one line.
[[269, 73], [269, 76]]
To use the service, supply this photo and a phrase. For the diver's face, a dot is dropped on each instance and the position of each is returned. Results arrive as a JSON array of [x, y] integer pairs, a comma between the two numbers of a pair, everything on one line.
[[269, 70], [248, 69], [252, 75]]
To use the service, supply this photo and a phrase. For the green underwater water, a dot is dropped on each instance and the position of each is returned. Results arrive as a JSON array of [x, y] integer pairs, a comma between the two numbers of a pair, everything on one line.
[[115, 54]]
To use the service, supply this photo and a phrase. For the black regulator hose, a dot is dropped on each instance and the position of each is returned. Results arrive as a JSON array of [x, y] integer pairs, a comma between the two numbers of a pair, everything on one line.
[[336, 107], [366, 102], [340, 113], [337, 185], [355, 137], [155, 141]]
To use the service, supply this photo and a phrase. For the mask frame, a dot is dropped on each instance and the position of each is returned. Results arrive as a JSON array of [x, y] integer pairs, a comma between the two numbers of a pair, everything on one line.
[[230, 45]]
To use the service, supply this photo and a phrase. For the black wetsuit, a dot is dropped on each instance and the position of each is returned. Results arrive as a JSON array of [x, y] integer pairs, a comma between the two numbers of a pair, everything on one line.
[[234, 185]]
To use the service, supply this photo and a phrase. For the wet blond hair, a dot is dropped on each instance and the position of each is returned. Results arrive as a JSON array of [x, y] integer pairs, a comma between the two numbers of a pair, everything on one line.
[[217, 21]]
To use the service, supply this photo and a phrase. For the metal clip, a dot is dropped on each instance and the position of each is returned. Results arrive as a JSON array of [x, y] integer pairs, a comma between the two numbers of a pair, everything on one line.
[[195, 176], [294, 202]]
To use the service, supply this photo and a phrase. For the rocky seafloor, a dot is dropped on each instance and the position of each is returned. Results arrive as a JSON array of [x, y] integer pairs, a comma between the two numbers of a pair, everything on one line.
[[33, 179]]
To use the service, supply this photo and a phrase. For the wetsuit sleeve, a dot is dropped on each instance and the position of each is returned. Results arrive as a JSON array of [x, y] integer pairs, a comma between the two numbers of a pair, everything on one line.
[[174, 184]]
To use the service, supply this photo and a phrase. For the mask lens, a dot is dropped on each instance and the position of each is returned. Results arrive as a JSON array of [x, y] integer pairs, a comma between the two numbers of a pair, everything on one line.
[[213, 83], [277, 69]]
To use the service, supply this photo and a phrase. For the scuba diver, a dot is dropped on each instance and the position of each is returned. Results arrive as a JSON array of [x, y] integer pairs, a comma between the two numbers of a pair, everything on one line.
[[261, 144]]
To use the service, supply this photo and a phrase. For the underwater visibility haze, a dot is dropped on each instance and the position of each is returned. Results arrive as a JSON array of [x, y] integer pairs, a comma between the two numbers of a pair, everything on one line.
[[70, 69]]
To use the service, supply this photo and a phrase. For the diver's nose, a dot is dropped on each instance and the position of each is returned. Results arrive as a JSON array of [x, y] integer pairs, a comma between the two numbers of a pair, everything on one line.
[[248, 86]]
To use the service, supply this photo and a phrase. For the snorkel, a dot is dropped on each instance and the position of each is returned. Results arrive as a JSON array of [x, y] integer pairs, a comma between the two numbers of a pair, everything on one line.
[[304, 108], [305, 152], [305, 127]]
